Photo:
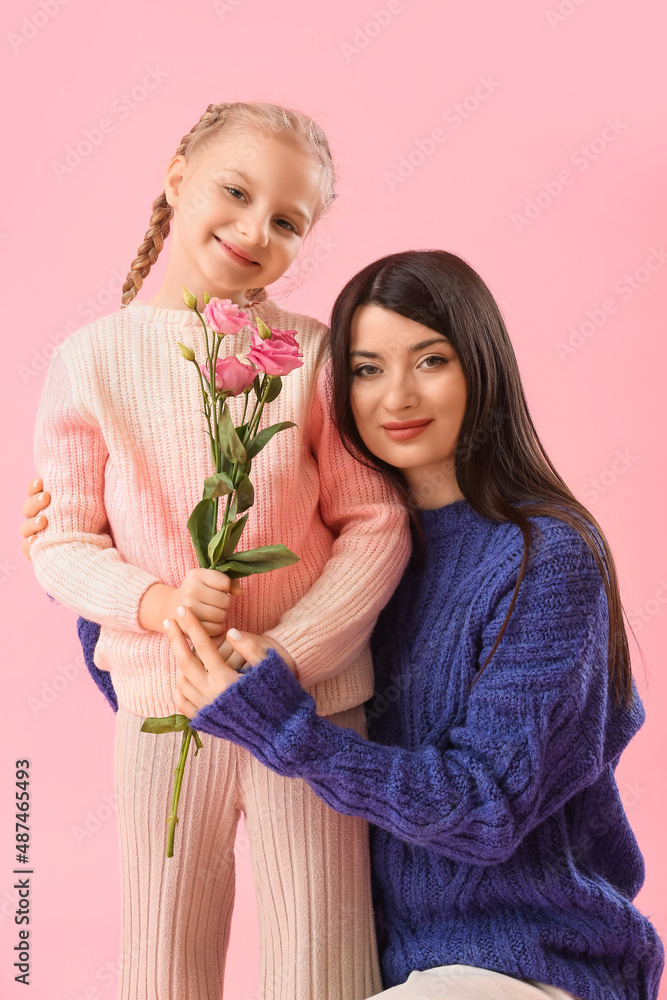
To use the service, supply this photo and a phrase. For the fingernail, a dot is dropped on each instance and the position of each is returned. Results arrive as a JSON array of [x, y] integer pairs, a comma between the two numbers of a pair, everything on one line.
[[40, 496], [234, 633], [166, 623], [181, 611], [38, 520], [36, 483]]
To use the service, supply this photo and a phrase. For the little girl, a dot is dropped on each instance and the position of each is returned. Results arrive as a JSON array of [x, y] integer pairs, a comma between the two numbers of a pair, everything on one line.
[[120, 445]]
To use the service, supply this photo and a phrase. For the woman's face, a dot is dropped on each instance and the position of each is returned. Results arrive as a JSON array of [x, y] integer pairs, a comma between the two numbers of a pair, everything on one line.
[[408, 397]]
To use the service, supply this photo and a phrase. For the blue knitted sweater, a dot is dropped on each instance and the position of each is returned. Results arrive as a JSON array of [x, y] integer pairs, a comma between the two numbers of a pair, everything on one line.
[[498, 837]]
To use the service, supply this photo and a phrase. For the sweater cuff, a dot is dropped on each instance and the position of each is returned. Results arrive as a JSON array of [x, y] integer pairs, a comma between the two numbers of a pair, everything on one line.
[[266, 711]]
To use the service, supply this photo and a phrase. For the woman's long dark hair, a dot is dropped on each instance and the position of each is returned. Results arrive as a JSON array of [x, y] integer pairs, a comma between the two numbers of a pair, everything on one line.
[[500, 462]]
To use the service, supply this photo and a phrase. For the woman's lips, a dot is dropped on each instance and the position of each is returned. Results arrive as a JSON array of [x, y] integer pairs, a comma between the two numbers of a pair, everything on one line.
[[233, 255], [405, 431]]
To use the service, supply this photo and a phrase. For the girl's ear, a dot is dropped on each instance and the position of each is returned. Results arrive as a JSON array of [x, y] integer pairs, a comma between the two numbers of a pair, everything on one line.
[[173, 179]]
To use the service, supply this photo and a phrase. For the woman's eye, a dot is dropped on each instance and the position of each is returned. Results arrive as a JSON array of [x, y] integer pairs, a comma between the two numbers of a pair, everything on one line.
[[365, 371], [434, 361]]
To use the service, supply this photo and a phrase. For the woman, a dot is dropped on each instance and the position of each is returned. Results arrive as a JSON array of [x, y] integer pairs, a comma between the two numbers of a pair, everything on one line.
[[503, 863]]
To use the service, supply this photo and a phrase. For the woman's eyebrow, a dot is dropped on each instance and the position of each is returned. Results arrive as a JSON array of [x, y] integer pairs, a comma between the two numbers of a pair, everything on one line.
[[411, 350], [427, 343]]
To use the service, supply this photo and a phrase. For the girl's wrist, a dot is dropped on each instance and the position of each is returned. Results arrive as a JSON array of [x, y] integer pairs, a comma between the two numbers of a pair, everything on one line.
[[154, 607]]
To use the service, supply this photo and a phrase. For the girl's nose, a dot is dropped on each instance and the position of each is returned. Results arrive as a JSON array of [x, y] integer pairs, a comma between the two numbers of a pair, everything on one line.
[[254, 228]]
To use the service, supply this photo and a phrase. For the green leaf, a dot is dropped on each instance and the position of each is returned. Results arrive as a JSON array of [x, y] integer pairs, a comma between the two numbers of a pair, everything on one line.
[[263, 438], [257, 386], [261, 560], [245, 494], [201, 525], [274, 390], [218, 485], [168, 724], [230, 442], [242, 432], [233, 537], [215, 546]]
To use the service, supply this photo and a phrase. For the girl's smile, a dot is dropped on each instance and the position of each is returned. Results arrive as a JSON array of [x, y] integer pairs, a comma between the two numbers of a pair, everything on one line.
[[236, 254]]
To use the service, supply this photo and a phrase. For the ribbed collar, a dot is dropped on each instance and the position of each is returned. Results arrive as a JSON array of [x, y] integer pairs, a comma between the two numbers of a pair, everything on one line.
[[449, 520]]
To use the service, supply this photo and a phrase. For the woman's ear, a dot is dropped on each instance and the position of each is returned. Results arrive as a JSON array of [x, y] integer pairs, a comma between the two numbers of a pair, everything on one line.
[[173, 180]]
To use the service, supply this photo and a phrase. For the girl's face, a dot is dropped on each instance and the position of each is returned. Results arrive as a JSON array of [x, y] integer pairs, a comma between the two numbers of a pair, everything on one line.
[[241, 212], [408, 397]]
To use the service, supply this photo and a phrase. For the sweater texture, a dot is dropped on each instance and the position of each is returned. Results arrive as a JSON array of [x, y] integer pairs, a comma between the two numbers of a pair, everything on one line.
[[120, 443], [499, 839]]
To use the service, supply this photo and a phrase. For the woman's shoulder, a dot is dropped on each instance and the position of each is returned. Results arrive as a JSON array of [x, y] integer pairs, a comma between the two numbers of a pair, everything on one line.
[[558, 552]]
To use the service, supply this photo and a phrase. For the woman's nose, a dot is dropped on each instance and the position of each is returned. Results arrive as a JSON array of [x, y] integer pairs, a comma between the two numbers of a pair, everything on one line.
[[400, 393]]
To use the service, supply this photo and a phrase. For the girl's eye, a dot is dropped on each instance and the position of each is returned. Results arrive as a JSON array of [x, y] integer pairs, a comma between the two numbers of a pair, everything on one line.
[[287, 225], [232, 191], [365, 371]]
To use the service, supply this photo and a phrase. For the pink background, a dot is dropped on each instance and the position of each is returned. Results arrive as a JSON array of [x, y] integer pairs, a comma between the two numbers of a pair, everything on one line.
[[580, 275]]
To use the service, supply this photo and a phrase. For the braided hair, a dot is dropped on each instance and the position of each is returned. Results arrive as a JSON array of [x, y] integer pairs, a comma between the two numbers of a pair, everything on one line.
[[270, 118]]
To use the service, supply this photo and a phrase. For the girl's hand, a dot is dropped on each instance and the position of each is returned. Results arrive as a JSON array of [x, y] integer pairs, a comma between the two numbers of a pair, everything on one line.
[[206, 592], [201, 674], [37, 501]]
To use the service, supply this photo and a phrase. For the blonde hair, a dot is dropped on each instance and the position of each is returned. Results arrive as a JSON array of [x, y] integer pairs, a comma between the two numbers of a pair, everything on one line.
[[269, 118]]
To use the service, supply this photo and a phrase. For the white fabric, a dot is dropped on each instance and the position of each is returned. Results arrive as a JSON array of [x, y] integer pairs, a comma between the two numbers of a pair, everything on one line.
[[466, 982]]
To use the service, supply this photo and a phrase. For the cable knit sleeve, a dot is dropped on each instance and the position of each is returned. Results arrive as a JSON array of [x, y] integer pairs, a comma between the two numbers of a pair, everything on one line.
[[532, 736], [74, 557], [328, 628]]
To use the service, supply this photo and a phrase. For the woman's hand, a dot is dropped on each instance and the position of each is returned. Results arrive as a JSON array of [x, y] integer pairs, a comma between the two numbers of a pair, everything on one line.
[[240, 648], [36, 522], [202, 674]]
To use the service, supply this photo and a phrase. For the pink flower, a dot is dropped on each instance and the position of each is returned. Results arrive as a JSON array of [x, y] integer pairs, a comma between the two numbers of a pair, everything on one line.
[[224, 316], [231, 376], [278, 355]]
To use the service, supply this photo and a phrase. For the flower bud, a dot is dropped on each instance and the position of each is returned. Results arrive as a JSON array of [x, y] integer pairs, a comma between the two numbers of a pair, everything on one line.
[[186, 351], [263, 330], [189, 297], [207, 298]]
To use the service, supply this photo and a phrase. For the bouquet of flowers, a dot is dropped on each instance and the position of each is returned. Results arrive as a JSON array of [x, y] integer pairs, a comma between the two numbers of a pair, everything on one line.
[[215, 534]]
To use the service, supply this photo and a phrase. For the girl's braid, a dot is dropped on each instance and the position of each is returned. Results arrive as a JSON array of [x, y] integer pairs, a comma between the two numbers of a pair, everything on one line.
[[158, 228]]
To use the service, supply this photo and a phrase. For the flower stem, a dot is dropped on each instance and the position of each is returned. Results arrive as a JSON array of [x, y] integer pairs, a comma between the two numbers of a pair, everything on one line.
[[256, 417], [172, 819]]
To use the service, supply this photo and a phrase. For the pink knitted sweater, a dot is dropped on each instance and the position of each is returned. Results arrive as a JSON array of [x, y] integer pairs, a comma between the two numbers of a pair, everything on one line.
[[120, 445]]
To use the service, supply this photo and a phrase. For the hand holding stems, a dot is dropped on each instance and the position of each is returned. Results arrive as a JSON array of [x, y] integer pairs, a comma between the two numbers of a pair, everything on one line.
[[206, 592], [202, 672]]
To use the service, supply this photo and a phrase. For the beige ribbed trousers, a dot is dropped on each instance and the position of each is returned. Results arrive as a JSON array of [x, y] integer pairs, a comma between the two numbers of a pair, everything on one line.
[[310, 867]]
